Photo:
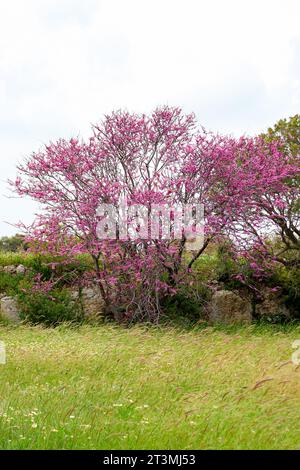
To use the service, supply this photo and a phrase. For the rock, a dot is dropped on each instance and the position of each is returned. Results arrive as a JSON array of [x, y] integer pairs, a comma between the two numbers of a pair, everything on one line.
[[20, 269], [89, 292], [92, 302], [11, 269], [271, 306], [74, 294], [228, 307], [9, 309]]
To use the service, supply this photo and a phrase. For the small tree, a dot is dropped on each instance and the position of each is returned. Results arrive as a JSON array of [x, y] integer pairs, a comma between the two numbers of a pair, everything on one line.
[[14, 243], [156, 159], [281, 207]]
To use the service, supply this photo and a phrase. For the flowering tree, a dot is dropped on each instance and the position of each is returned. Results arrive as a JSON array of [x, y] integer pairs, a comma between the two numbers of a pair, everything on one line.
[[161, 159], [266, 231], [270, 222], [286, 206]]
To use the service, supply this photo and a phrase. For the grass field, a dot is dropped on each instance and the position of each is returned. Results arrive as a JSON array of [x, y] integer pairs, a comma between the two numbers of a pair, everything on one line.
[[158, 388]]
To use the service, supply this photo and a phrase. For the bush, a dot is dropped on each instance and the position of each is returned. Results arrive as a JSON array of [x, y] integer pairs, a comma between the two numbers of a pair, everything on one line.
[[9, 283], [13, 244], [206, 267], [181, 309], [288, 279], [49, 309]]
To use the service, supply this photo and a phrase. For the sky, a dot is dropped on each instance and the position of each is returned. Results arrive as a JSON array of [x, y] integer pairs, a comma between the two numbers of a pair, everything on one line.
[[65, 63]]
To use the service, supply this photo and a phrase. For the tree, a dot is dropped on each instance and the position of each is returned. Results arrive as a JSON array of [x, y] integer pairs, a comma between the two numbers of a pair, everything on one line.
[[287, 131], [283, 210], [158, 159], [14, 243]]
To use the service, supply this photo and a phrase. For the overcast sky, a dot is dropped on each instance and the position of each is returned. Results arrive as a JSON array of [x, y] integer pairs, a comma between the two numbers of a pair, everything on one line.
[[63, 63]]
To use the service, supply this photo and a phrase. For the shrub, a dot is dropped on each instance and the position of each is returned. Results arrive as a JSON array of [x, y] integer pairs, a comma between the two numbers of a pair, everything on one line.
[[50, 308], [9, 283], [13, 244], [181, 309], [289, 281]]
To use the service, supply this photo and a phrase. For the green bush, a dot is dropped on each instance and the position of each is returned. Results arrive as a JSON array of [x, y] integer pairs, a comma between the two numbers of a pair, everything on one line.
[[49, 309], [30, 260], [206, 267], [186, 307], [13, 244], [288, 279], [181, 309], [9, 283]]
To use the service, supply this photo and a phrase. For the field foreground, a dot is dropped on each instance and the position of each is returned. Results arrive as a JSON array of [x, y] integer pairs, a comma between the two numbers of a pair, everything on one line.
[[158, 388]]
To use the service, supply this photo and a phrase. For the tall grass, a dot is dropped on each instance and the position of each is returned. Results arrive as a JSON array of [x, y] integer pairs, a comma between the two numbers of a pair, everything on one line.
[[109, 387]]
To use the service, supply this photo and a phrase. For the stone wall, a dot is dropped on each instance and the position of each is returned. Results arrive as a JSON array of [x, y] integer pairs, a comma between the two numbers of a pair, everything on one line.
[[228, 307], [11, 269], [90, 299], [9, 309], [224, 306]]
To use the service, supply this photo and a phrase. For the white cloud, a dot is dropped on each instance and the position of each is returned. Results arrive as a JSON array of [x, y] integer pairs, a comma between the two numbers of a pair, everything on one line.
[[63, 63]]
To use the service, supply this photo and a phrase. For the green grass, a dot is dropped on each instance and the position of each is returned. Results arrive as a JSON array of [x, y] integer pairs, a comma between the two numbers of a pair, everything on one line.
[[108, 387], [31, 260], [9, 258]]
